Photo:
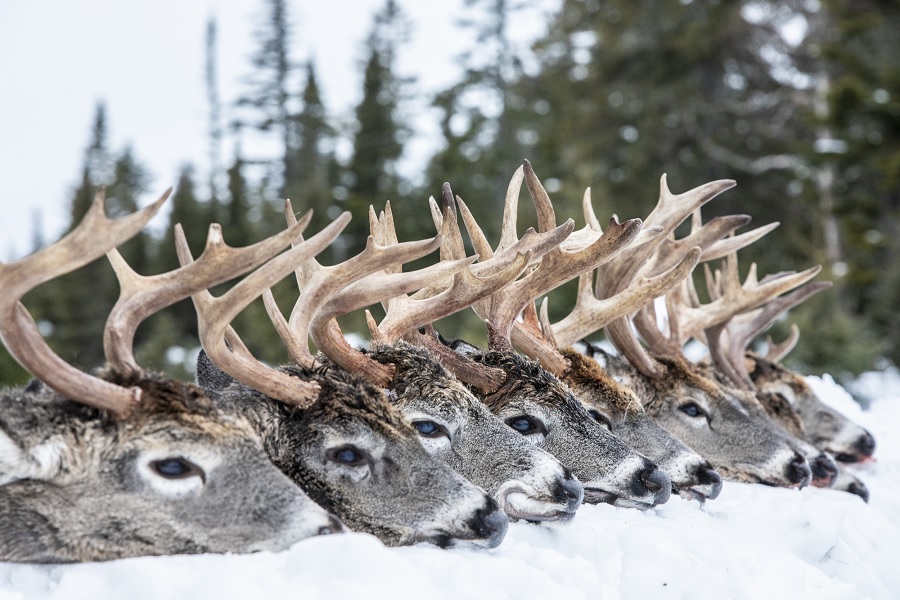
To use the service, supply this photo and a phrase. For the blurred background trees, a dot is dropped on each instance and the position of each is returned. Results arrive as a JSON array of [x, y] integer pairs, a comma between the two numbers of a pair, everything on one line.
[[798, 100]]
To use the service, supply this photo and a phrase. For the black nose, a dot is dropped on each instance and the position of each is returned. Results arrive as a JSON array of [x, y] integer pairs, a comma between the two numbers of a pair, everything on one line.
[[865, 445], [824, 470], [709, 477], [334, 526], [569, 491], [860, 489], [657, 483], [798, 471], [490, 523]]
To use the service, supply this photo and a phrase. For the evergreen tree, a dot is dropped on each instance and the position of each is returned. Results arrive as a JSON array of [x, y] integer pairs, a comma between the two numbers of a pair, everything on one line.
[[270, 96], [483, 141], [313, 161], [378, 142]]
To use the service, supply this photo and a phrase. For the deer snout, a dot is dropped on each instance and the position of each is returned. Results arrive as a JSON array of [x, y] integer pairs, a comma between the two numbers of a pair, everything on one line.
[[709, 483], [656, 483], [489, 523], [569, 491], [865, 445], [824, 470], [334, 526], [798, 472], [860, 489]]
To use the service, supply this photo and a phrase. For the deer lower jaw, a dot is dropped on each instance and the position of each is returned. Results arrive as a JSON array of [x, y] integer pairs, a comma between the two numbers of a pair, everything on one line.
[[595, 495], [520, 501]]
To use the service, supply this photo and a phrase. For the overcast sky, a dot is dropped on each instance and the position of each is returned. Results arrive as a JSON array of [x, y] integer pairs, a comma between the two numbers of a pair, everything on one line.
[[145, 60]]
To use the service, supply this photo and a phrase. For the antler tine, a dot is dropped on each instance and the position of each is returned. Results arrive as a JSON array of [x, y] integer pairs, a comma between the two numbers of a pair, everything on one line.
[[508, 234], [319, 283], [623, 337], [670, 250], [592, 314], [404, 314], [140, 296], [555, 268], [669, 212], [592, 229], [734, 298], [729, 341], [215, 314], [776, 352], [94, 235], [744, 327], [726, 246]]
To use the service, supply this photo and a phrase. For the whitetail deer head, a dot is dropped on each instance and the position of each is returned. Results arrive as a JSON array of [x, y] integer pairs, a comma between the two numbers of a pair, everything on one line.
[[346, 445], [533, 400], [454, 426], [692, 407], [131, 463], [616, 406]]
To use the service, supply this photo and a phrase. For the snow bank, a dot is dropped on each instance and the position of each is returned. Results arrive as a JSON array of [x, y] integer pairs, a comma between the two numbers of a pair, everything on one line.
[[751, 542]]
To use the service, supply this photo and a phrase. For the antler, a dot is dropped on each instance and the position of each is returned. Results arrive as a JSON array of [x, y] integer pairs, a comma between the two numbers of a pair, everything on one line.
[[728, 355], [613, 277], [91, 238], [404, 315], [318, 284], [140, 296], [776, 352], [222, 343], [557, 266]]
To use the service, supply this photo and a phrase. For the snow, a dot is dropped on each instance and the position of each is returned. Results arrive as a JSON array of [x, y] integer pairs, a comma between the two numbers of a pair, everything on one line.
[[751, 542]]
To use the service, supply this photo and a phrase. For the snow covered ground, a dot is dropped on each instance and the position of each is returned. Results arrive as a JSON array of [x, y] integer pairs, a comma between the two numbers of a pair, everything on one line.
[[751, 542]]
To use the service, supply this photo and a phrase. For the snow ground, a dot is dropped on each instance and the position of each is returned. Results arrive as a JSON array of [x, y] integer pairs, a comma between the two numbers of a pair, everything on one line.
[[751, 542]]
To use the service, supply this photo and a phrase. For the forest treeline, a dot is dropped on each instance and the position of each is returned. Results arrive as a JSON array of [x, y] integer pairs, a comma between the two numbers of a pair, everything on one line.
[[798, 100]]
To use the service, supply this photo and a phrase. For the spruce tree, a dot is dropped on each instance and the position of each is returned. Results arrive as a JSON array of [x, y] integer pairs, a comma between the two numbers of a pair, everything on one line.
[[380, 135]]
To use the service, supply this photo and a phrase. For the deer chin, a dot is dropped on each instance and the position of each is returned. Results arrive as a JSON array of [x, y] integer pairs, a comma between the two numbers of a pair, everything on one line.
[[594, 495], [518, 504], [690, 494]]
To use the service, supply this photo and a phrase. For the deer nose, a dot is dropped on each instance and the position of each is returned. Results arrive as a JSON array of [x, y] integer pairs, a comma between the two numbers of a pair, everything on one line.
[[657, 483], [860, 490], [707, 476], [798, 471], [334, 526], [865, 445], [569, 491], [490, 523], [824, 470]]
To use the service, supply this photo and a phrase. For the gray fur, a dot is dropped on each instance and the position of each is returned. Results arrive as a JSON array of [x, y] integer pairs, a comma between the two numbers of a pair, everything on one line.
[[526, 481], [609, 470], [77, 485], [693, 477], [739, 446], [825, 427], [399, 492]]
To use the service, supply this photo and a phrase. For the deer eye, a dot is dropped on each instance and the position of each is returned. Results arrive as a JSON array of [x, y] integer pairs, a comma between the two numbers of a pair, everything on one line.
[[177, 468], [692, 409], [600, 418], [429, 429], [526, 425], [348, 455]]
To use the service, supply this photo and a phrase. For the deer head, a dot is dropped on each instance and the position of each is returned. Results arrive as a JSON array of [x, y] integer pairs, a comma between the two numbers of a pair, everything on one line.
[[533, 400], [347, 446], [131, 463]]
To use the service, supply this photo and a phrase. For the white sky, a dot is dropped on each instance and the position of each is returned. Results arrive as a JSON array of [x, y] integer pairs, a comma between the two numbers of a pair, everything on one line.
[[145, 60]]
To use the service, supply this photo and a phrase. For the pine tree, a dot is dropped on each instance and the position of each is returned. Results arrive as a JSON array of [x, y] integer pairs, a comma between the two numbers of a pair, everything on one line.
[[378, 142], [313, 161], [270, 97]]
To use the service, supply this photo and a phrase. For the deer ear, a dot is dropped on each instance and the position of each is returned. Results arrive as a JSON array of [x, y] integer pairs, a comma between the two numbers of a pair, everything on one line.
[[43, 461], [210, 377]]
